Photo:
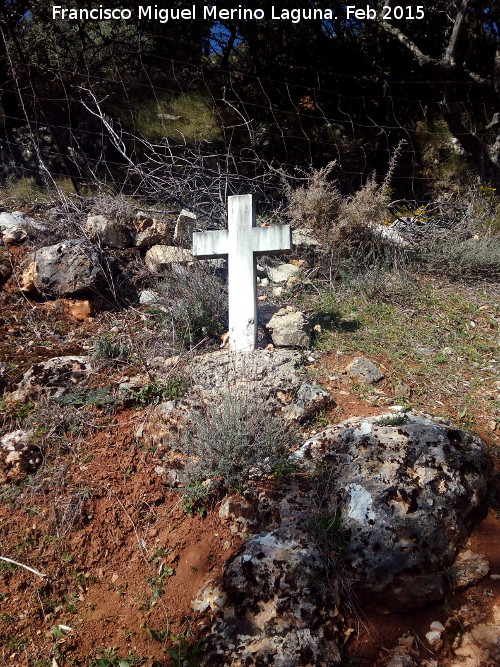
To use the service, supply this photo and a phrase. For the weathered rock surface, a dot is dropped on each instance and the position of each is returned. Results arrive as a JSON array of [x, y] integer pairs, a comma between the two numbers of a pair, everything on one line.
[[289, 328], [468, 569], [480, 645], [271, 610], [161, 257], [107, 232], [282, 273], [53, 377], [150, 231], [16, 227], [259, 370], [364, 370], [259, 373], [18, 456], [410, 487], [184, 228], [310, 400], [63, 269]]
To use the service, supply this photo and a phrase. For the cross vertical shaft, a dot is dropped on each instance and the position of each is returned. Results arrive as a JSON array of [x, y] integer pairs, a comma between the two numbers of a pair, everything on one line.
[[242, 274]]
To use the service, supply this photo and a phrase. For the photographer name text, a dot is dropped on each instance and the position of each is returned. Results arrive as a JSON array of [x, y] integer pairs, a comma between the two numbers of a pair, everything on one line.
[[240, 13]]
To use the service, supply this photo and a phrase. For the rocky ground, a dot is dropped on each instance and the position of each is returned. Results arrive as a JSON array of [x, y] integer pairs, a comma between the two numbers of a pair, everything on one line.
[[371, 540]]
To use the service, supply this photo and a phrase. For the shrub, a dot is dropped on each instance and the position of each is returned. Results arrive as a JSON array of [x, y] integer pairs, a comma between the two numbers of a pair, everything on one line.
[[235, 440], [316, 203], [463, 258], [349, 227], [193, 305], [114, 207]]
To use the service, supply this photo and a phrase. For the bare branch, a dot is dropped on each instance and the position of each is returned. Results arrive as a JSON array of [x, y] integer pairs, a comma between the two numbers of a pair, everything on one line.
[[26, 567]]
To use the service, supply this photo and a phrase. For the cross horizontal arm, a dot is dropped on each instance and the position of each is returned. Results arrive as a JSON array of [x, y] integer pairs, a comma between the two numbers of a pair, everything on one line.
[[208, 245], [267, 240]]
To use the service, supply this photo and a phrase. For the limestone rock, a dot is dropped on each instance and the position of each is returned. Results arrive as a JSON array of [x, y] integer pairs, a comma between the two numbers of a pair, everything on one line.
[[161, 257], [53, 377], [148, 297], [184, 228], [263, 372], [282, 273], [481, 645], [150, 231], [410, 488], [16, 227], [273, 608], [468, 569], [364, 370], [18, 455], [63, 269], [107, 232], [309, 401], [289, 328]]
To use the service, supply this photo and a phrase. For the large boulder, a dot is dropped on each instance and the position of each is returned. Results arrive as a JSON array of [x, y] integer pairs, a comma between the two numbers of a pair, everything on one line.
[[409, 489], [63, 269], [271, 609]]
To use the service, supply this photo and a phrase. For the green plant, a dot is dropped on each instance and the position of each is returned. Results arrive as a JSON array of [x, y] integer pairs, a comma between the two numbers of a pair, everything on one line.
[[104, 348], [236, 439], [284, 469], [154, 392], [108, 657], [99, 396], [194, 498], [186, 654], [194, 305], [188, 117], [394, 420]]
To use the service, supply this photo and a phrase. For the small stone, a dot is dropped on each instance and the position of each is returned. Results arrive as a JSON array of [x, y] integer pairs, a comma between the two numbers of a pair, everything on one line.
[[434, 639], [402, 390], [364, 370], [147, 297], [184, 228], [469, 568], [436, 625], [282, 273], [289, 328]]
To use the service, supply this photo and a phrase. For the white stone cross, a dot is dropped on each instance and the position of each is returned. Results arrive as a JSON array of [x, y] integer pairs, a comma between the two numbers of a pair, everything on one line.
[[241, 244]]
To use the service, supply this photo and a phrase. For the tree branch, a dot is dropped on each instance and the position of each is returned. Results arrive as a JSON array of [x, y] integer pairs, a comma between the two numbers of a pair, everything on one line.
[[422, 58], [449, 56], [26, 567]]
